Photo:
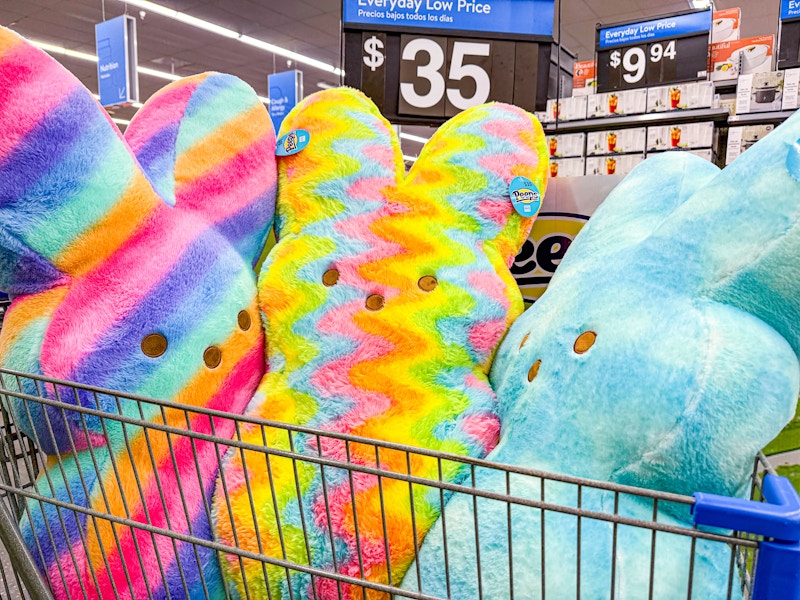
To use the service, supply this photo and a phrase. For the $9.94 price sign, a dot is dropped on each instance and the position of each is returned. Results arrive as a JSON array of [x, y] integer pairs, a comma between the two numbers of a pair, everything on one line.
[[661, 51], [634, 62]]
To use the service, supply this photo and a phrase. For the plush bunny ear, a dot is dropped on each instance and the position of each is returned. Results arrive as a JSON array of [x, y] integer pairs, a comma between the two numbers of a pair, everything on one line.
[[739, 236], [651, 192], [351, 152], [69, 188], [207, 145], [470, 162]]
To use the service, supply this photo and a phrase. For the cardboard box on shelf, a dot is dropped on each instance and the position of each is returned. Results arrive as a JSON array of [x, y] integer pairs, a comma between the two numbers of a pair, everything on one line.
[[687, 135], [610, 165], [566, 167], [706, 153], [566, 109], [680, 96], [759, 92], [741, 138], [791, 89], [612, 104], [566, 145], [726, 25], [615, 141], [731, 59], [584, 78]]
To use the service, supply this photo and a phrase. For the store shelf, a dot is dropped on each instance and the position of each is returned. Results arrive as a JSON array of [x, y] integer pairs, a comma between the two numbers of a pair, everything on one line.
[[761, 117], [677, 116]]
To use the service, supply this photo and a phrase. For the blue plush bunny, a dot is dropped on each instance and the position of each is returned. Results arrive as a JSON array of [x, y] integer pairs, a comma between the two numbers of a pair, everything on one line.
[[663, 355]]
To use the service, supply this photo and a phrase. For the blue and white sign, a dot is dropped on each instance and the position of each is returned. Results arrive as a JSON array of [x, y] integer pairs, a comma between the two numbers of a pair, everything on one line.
[[285, 91], [518, 17], [790, 9], [525, 196], [656, 29], [115, 40]]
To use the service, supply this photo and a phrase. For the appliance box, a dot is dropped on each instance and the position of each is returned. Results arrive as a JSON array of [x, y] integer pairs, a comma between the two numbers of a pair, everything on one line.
[[566, 167], [566, 145], [611, 165], [619, 103], [680, 96], [616, 141], [685, 136], [749, 55], [759, 92], [741, 138]]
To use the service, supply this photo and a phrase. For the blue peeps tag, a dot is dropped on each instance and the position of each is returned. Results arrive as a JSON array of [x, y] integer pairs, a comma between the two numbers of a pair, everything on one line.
[[292, 143], [525, 196]]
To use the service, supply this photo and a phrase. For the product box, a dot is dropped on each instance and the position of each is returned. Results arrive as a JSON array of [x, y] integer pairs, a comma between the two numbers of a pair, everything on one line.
[[566, 109], [741, 138], [759, 92], [615, 141], [680, 96], [566, 145], [791, 89], [610, 165], [726, 25], [566, 167], [584, 77], [731, 59], [612, 104], [706, 153], [687, 135]]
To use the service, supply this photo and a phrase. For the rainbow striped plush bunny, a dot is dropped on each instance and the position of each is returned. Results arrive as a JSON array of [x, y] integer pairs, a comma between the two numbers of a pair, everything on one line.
[[384, 300], [131, 263]]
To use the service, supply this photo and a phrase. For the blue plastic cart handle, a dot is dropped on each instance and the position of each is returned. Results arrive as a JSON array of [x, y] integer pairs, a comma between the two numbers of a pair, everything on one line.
[[777, 518], [777, 575]]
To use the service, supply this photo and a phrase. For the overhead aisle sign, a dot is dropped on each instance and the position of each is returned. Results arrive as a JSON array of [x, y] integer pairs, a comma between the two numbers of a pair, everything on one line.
[[118, 82], [423, 61], [789, 35], [518, 17], [285, 92], [660, 51]]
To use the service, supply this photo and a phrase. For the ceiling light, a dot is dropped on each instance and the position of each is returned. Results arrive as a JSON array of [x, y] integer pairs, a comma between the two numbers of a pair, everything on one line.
[[409, 158], [413, 138], [325, 86], [700, 4], [93, 58], [231, 34], [120, 121]]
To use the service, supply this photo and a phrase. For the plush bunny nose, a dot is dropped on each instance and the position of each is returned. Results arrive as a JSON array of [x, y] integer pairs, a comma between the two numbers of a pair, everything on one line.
[[212, 357]]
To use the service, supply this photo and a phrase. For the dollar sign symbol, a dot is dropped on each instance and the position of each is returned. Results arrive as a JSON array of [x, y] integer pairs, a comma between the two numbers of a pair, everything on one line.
[[615, 58], [373, 48]]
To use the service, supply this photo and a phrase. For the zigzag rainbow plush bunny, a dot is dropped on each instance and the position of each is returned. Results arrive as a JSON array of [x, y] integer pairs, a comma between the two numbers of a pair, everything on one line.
[[131, 265], [664, 354], [384, 300]]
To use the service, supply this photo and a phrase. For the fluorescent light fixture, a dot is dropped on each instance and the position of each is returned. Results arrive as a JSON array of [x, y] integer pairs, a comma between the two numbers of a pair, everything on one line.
[[701, 3], [231, 34], [413, 138], [410, 158], [93, 58], [325, 86], [120, 121]]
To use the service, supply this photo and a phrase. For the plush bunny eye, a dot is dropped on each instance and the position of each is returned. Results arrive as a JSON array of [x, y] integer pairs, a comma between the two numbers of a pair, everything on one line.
[[427, 283], [374, 302], [330, 277], [244, 320], [525, 339], [212, 357], [534, 370], [154, 345], [584, 342]]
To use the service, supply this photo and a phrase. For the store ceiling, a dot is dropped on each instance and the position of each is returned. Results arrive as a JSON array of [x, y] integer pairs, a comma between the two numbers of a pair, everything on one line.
[[310, 27]]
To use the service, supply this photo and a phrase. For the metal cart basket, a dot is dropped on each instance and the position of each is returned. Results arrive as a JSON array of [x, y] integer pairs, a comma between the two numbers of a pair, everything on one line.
[[756, 558]]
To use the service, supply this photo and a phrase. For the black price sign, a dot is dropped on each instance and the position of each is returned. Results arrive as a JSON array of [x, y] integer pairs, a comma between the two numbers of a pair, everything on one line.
[[656, 52], [428, 78]]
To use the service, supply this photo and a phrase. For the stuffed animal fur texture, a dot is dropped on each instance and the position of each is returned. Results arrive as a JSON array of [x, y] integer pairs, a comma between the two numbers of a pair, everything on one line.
[[664, 354], [384, 301], [106, 242]]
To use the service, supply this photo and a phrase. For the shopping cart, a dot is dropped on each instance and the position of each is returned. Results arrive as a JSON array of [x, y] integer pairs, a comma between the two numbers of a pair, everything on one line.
[[764, 547]]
